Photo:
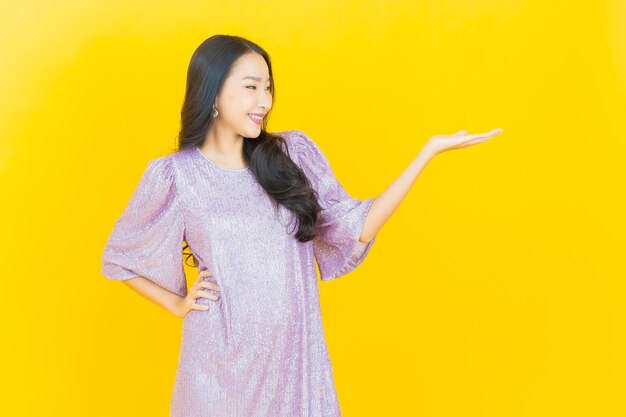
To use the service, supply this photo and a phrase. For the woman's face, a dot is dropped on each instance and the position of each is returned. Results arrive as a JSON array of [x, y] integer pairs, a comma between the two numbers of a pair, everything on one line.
[[245, 91]]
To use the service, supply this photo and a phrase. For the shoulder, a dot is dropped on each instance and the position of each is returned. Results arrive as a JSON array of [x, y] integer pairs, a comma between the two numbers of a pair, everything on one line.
[[296, 138], [162, 166], [301, 147], [161, 173]]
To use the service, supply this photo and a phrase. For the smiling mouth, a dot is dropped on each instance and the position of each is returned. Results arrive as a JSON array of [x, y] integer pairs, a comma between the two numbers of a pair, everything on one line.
[[255, 119]]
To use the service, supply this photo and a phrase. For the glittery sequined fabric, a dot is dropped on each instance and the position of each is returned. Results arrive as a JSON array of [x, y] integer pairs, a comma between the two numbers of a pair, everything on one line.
[[260, 350]]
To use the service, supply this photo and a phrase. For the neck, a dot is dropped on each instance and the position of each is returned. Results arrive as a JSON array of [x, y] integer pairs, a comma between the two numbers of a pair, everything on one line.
[[223, 148]]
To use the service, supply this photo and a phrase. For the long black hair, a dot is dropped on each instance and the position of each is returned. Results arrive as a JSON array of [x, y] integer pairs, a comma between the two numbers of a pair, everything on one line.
[[274, 170]]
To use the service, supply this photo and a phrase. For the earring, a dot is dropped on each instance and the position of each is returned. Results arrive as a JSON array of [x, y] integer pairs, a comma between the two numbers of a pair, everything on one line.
[[214, 112]]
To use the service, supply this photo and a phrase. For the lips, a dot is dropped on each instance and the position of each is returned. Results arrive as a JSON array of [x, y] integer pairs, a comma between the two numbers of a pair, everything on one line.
[[255, 120]]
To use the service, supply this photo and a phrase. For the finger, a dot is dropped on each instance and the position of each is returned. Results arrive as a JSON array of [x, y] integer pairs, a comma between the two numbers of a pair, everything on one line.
[[192, 302], [210, 285], [196, 306], [481, 135], [203, 274], [478, 140], [493, 131], [207, 294]]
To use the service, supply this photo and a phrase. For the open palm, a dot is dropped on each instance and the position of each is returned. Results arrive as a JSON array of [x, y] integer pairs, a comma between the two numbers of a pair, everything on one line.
[[442, 143]]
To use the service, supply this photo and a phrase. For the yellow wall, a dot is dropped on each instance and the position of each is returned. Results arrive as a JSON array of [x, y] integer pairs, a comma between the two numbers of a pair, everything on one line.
[[496, 289]]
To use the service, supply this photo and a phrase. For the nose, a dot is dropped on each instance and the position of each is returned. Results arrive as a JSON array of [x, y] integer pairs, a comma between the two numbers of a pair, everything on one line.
[[265, 101]]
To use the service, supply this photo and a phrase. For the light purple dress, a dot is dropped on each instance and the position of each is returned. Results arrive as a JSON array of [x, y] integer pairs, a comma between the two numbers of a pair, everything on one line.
[[260, 350]]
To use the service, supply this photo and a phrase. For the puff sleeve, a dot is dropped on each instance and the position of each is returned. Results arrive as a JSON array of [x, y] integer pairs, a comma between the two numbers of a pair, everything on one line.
[[147, 238], [336, 247]]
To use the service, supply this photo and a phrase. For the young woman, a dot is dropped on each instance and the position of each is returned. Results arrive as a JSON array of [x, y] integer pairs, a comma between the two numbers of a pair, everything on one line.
[[257, 210]]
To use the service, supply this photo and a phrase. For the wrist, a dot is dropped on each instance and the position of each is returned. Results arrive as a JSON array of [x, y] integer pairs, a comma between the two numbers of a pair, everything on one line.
[[179, 309], [429, 151]]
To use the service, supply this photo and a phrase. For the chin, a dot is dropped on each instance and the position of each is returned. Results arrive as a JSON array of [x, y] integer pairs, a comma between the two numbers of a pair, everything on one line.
[[254, 133]]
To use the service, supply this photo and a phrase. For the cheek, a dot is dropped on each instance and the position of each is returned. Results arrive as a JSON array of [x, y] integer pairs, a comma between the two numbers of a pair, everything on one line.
[[232, 98], [236, 106], [241, 102]]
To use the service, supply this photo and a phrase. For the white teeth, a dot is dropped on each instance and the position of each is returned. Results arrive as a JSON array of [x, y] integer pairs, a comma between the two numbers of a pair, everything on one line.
[[255, 117]]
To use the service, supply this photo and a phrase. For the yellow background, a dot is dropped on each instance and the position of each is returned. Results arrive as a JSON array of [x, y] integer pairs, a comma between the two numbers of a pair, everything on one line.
[[496, 289]]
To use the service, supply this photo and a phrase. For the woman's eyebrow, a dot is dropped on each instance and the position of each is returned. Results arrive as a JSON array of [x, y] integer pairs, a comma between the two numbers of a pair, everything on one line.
[[254, 78]]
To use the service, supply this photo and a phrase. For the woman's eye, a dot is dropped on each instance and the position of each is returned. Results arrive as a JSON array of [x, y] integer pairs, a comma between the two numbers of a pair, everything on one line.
[[248, 86]]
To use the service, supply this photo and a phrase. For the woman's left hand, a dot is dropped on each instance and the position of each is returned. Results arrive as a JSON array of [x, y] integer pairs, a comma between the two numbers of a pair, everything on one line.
[[442, 143]]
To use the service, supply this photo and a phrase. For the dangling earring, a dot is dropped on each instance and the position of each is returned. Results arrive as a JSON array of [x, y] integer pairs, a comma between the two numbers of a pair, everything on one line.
[[214, 112]]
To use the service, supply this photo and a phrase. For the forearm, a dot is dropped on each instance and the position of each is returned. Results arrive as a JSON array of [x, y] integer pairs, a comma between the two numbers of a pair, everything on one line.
[[386, 203], [158, 295]]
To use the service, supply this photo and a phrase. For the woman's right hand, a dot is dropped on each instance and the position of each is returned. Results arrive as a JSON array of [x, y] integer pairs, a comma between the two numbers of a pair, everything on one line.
[[198, 290]]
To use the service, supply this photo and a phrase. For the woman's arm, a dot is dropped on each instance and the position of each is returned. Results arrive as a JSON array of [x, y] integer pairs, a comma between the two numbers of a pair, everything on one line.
[[158, 295], [174, 303], [384, 205]]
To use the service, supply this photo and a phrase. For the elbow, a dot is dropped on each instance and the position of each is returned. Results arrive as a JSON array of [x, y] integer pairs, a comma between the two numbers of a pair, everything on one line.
[[367, 233], [365, 239]]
